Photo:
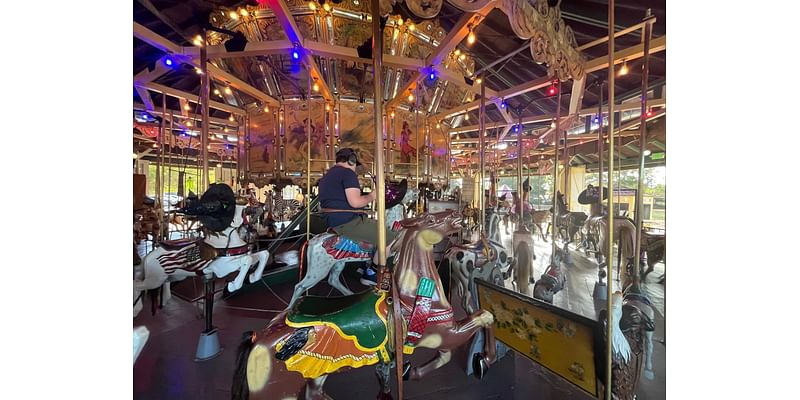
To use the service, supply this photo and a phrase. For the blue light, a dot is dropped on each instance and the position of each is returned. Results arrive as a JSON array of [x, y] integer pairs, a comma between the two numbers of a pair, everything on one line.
[[296, 54], [596, 119], [516, 128], [503, 105], [168, 61], [432, 75]]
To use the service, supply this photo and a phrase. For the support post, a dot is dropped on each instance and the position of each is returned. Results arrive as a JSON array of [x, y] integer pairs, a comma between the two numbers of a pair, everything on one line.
[[204, 97], [555, 175], [610, 261], [481, 151], [642, 148]]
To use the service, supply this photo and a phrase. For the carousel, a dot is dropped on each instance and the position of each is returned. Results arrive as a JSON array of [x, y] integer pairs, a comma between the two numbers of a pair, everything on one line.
[[353, 199]]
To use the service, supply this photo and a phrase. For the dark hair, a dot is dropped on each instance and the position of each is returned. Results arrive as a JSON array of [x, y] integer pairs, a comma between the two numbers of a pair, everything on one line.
[[342, 159]]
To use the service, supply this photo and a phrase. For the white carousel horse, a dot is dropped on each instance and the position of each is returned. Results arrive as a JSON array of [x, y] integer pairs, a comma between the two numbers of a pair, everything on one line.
[[140, 336], [328, 253], [178, 260]]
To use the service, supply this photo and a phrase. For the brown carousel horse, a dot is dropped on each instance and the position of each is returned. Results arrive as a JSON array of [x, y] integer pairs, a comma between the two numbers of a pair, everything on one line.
[[597, 226], [320, 336], [654, 246]]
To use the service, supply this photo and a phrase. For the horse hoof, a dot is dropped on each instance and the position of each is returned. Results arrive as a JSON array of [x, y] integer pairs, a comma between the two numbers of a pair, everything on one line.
[[479, 365], [384, 396]]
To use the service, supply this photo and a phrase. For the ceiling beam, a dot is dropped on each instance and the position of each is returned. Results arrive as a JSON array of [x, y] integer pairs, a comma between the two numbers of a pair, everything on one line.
[[457, 33], [594, 65], [286, 19], [188, 96], [252, 49], [661, 102], [195, 117], [217, 73]]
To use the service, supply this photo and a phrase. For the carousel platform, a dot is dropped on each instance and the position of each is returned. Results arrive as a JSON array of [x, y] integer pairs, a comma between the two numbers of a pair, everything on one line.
[[166, 368]]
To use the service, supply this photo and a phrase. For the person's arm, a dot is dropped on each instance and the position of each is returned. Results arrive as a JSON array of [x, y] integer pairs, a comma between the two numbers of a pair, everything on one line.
[[356, 199], [352, 190]]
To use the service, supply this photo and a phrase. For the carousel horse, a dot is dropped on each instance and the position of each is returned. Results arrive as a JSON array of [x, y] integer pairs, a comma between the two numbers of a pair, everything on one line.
[[318, 336], [569, 223], [221, 252], [486, 259], [631, 325], [654, 246], [597, 226], [328, 252]]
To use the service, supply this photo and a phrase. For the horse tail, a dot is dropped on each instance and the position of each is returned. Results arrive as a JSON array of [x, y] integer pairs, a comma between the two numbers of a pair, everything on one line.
[[302, 257], [239, 389]]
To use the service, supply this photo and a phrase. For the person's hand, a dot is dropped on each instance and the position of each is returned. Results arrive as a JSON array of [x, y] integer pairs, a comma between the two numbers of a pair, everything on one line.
[[372, 195]]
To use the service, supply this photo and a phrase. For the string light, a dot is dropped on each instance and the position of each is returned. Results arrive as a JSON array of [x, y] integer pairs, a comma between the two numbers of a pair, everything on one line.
[[225, 130], [552, 90], [266, 108], [399, 21], [199, 71], [234, 16], [411, 27], [315, 87], [189, 123], [216, 92], [326, 7], [411, 97], [466, 117], [462, 57], [187, 107], [646, 153], [135, 156], [228, 90], [155, 145], [243, 12], [458, 52], [230, 118], [479, 81], [438, 125], [553, 124], [649, 113], [471, 36], [623, 70], [312, 6], [392, 114], [198, 40], [327, 107]]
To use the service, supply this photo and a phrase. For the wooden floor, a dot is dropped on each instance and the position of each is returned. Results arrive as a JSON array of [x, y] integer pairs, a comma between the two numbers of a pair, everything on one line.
[[166, 370]]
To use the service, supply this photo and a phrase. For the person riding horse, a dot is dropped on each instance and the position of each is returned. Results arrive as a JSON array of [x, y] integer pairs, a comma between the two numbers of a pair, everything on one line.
[[342, 206]]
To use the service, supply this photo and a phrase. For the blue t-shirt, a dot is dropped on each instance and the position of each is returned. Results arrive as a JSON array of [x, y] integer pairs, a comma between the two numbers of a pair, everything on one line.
[[332, 194]]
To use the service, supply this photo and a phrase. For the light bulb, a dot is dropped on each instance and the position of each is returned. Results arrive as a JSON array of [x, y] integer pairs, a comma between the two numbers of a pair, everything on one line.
[[462, 57], [646, 153], [135, 156], [458, 52], [228, 90], [230, 118], [189, 123], [438, 125], [466, 117], [199, 71], [233, 15], [187, 107], [155, 145], [411, 97], [553, 124], [219, 165], [266, 108], [411, 27], [243, 12], [624, 69], [216, 91], [326, 7], [392, 114], [225, 130], [315, 87], [479, 81], [471, 37], [399, 21], [312, 6]]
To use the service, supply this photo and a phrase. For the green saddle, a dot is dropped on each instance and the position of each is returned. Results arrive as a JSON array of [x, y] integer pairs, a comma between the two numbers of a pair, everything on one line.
[[355, 317]]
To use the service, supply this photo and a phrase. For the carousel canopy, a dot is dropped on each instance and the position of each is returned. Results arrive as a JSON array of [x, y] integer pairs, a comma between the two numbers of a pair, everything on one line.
[[267, 53]]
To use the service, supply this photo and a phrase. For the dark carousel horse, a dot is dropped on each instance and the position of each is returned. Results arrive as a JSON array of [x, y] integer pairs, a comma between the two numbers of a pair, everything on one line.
[[569, 222]]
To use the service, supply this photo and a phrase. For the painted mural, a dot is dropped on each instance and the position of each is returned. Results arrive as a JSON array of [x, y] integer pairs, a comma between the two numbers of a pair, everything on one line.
[[297, 134], [357, 131], [263, 150]]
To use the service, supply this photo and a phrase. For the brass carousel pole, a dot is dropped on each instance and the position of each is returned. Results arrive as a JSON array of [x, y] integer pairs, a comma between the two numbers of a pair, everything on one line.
[[609, 261], [555, 171], [420, 199], [380, 186], [481, 150], [204, 96], [642, 147], [159, 162], [308, 158]]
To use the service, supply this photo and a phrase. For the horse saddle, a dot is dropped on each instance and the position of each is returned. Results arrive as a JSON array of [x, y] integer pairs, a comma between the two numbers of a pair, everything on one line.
[[340, 247], [179, 243], [360, 317]]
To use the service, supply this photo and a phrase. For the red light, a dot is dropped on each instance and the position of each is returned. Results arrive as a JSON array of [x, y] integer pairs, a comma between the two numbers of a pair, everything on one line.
[[649, 113], [552, 90]]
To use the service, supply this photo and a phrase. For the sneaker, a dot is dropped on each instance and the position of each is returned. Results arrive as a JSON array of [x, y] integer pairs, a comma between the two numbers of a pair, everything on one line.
[[369, 277]]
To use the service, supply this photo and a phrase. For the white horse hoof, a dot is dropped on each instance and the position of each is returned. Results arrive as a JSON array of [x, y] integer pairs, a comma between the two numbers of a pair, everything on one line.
[[253, 278], [649, 374], [232, 287]]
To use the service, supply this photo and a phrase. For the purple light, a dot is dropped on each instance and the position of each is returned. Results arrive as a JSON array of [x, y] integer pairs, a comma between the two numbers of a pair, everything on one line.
[[503, 105], [169, 62], [296, 54]]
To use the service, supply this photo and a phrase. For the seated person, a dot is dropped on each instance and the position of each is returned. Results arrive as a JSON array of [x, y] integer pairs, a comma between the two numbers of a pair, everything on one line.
[[342, 204]]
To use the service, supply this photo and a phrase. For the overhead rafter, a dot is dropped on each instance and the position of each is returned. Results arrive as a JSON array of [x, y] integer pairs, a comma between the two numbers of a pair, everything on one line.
[[212, 120], [188, 96], [285, 18], [167, 46], [460, 30], [596, 64], [660, 102]]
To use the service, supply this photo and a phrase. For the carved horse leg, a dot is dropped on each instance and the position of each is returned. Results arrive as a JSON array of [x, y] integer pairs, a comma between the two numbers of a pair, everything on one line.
[[260, 257], [446, 337], [314, 389], [333, 278], [382, 371], [242, 264]]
